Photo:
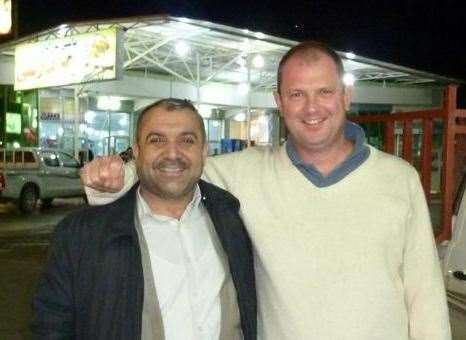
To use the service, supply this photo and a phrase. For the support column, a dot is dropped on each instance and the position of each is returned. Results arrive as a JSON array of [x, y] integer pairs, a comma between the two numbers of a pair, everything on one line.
[[426, 157], [408, 140], [449, 107], [389, 133]]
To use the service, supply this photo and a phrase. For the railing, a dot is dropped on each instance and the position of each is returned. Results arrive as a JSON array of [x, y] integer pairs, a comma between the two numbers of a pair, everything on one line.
[[454, 124]]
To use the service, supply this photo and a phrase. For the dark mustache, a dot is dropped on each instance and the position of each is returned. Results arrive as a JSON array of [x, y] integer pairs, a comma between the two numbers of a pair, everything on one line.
[[178, 162]]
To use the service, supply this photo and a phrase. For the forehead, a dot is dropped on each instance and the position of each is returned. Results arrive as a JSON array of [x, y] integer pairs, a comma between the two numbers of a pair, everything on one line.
[[306, 66], [164, 121]]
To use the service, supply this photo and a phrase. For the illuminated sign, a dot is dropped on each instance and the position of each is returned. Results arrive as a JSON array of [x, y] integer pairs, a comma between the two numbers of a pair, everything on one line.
[[76, 59], [13, 123], [5, 16]]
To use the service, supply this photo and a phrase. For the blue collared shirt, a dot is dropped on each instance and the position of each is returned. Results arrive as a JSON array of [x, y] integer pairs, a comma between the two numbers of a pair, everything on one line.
[[360, 153]]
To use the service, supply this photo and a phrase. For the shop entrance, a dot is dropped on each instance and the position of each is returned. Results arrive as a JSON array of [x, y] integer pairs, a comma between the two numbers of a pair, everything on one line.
[[107, 132]]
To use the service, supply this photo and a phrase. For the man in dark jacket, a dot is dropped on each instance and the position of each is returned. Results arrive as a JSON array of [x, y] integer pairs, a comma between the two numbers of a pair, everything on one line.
[[169, 260]]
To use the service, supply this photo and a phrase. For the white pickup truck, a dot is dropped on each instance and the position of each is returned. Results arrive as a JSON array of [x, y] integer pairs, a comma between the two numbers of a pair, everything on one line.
[[30, 174], [454, 259]]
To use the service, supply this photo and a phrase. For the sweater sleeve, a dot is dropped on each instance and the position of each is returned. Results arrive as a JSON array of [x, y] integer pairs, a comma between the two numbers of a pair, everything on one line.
[[425, 295], [96, 197], [222, 170], [52, 305]]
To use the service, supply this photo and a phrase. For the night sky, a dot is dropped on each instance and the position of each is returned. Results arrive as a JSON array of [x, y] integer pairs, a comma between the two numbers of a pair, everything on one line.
[[425, 35]]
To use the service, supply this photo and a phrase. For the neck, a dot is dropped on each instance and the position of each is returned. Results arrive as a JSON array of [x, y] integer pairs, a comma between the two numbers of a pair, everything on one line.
[[326, 160], [171, 207]]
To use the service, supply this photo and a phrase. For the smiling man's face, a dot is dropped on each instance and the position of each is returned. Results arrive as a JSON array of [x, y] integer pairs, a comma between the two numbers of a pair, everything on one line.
[[313, 101], [170, 153]]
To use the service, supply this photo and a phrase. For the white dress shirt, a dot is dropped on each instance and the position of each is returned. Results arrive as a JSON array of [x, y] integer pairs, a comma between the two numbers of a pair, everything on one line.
[[188, 272]]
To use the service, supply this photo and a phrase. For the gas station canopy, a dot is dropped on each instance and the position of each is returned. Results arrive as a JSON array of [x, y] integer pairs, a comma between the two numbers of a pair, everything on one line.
[[198, 52]]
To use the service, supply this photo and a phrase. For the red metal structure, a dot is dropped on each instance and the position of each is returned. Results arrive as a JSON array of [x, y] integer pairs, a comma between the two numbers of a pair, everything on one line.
[[454, 145]]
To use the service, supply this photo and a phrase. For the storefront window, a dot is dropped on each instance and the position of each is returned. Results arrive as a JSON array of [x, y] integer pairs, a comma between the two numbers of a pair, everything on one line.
[[106, 132], [214, 133], [57, 119]]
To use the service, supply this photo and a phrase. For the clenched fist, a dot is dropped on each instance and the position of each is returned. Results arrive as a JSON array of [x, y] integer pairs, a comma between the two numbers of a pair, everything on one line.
[[104, 174]]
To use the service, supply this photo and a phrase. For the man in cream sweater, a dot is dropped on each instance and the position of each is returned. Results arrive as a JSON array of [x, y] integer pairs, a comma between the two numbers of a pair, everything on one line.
[[343, 242]]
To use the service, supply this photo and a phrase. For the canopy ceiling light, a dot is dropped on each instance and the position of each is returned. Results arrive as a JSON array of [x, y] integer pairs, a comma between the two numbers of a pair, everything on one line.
[[349, 79], [258, 61], [182, 49]]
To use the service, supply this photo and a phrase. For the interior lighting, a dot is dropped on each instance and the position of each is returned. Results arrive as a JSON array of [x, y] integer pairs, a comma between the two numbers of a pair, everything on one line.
[[60, 131], [243, 88], [34, 118], [123, 121], [258, 61], [240, 117], [349, 79], [16, 145], [108, 103], [350, 55], [89, 117], [182, 48]]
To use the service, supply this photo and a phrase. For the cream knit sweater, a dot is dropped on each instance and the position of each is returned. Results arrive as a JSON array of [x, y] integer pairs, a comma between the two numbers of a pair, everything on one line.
[[352, 261]]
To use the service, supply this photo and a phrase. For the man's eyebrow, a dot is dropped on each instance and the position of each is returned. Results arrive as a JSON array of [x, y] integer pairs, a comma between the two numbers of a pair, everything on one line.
[[152, 134], [189, 133], [182, 134]]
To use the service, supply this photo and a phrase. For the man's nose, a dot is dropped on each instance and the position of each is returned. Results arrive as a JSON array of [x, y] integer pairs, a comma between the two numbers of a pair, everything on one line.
[[171, 150], [311, 103]]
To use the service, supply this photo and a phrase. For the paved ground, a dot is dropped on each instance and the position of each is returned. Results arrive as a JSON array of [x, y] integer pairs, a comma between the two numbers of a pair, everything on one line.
[[24, 241], [19, 271], [12, 219]]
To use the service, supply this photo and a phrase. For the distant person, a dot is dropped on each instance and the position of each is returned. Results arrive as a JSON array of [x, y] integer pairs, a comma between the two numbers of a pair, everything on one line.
[[343, 242], [169, 260]]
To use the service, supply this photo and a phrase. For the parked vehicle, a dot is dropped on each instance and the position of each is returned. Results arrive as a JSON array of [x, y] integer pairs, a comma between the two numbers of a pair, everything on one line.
[[30, 174], [454, 262]]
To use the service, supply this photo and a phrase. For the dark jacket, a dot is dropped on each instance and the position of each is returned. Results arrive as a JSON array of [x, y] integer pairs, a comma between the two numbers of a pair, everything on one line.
[[92, 286]]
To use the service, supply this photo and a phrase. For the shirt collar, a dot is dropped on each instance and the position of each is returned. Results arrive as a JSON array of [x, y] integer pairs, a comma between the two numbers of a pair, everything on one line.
[[144, 210], [359, 154]]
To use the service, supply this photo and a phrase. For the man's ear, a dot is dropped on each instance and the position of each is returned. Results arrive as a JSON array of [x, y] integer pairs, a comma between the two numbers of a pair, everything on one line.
[[135, 148], [278, 101], [205, 150], [347, 96]]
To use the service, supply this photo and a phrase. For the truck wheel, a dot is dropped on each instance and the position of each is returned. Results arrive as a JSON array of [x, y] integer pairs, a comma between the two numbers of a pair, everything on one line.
[[28, 199], [46, 202]]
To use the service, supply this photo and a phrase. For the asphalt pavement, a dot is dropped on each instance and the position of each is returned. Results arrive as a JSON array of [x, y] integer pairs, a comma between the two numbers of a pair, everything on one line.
[[24, 241]]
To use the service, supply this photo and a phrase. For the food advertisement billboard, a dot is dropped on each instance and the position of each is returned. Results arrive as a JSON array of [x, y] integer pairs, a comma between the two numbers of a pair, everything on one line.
[[80, 58]]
